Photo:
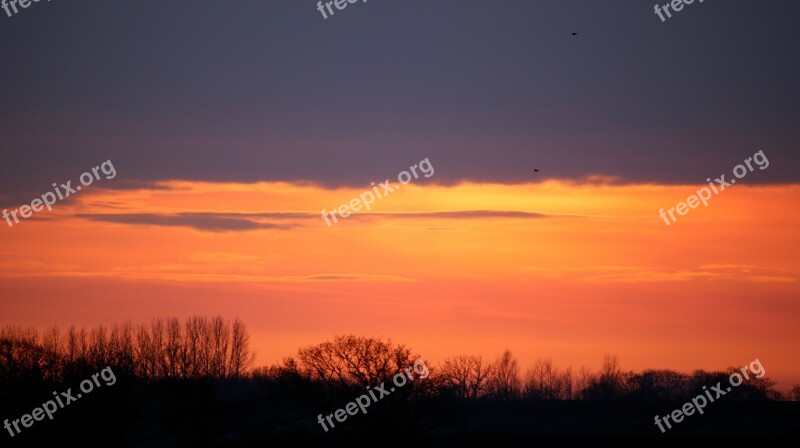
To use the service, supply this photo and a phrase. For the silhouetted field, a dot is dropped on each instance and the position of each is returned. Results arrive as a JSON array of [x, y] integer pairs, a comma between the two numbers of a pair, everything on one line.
[[248, 412]]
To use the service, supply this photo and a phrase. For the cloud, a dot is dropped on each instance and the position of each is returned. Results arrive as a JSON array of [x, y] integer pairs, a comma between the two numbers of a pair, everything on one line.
[[448, 214], [243, 222], [181, 272], [641, 274], [207, 222], [222, 257], [356, 277], [463, 214]]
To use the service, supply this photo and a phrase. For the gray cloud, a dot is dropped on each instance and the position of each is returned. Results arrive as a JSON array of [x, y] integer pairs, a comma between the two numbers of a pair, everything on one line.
[[243, 222], [454, 214], [206, 222]]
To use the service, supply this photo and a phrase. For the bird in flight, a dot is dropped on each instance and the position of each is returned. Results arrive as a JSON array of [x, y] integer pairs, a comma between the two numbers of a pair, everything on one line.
[[536, 170], [574, 34]]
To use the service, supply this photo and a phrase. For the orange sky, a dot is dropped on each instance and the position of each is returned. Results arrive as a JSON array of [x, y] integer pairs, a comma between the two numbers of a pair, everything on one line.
[[599, 273]]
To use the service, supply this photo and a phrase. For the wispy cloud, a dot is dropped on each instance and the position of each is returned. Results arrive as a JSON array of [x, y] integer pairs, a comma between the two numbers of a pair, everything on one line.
[[207, 222], [642, 274], [186, 273], [462, 214], [243, 222]]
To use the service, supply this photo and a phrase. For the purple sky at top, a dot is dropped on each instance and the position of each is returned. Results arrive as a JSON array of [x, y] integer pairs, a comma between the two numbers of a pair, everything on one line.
[[489, 90]]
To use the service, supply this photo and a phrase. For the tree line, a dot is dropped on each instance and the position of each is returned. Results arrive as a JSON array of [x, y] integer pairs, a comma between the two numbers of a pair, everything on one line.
[[358, 361], [202, 348], [198, 347]]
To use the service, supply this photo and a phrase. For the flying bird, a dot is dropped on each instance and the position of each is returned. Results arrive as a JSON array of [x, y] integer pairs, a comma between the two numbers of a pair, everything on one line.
[[574, 34], [536, 170]]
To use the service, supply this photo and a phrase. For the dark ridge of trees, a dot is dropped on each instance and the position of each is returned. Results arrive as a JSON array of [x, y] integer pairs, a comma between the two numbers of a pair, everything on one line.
[[194, 382], [199, 347], [215, 348]]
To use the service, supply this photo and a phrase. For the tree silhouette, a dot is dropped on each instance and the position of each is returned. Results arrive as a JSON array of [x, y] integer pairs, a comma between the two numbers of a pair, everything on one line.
[[546, 382], [794, 394], [506, 382], [201, 348], [468, 376], [354, 360]]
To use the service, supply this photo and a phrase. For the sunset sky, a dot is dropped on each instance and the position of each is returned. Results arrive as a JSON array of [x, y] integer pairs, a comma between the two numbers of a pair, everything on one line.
[[231, 126]]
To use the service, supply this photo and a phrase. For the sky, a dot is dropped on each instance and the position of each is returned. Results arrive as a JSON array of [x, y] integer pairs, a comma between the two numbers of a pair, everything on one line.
[[230, 126]]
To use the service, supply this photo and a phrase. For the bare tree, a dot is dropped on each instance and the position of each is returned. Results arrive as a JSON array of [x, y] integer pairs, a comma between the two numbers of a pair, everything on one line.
[[470, 376], [354, 360], [172, 348], [21, 356], [506, 383], [456, 373], [794, 394], [546, 382], [158, 347], [220, 342], [72, 345], [611, 383], [567, 384], [121, 349], [193, 349], [241, 359], [583, 380], [98, 347], [52, 344], [144, 353]]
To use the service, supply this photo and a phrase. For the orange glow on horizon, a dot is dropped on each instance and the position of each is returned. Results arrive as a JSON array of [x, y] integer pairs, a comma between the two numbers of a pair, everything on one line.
[[550, 270]]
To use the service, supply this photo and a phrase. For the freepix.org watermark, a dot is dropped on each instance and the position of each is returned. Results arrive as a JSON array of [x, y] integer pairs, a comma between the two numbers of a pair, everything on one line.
[[5, 4], [677, 6], [50, 198], [366, 198], [699, 402], [50, 407], [704, 194], [363, 402], [340, 5]]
